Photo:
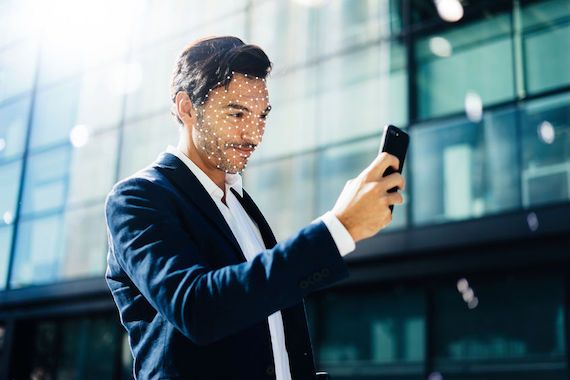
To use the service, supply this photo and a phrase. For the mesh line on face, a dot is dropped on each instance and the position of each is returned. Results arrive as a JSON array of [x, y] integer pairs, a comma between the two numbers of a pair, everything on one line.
[[220, 127]]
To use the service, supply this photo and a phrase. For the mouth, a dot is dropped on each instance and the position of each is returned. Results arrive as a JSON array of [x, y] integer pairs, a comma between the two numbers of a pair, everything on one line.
[[242, 151]]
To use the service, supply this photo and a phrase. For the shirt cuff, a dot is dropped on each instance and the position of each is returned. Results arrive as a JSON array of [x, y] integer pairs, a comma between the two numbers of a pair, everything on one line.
[[339, 233]]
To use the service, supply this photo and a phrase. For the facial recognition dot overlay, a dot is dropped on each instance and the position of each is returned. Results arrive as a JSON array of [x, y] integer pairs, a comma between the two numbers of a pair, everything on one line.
[[231, 121]]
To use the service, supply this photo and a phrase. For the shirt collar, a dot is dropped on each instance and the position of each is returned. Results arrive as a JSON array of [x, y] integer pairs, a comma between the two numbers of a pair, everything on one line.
[[232, 180]]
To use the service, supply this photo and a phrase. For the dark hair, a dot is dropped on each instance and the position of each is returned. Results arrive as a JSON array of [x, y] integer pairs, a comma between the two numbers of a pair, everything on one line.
[[210, 62]]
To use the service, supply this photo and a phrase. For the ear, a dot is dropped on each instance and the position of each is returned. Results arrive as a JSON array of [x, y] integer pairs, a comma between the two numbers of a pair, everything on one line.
[[184, 108]]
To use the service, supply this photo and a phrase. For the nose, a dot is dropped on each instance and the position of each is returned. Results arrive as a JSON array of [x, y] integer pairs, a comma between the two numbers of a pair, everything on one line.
[[253, 133]]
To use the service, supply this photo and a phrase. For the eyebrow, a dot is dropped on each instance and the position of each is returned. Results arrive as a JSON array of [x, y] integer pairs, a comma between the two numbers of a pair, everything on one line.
[[244, 108]]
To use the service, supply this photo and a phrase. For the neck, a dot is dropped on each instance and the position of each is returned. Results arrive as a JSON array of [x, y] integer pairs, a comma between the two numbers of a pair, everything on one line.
[[216, 175]]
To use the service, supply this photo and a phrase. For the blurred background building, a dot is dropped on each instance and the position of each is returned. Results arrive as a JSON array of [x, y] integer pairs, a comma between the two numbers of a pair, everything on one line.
[[469, 282]]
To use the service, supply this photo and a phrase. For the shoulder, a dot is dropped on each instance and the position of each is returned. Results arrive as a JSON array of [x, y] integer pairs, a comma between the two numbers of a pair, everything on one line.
[[147, 183]]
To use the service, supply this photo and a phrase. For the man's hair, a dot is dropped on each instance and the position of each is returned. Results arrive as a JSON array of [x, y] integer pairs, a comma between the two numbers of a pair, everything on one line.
[[210, 62]]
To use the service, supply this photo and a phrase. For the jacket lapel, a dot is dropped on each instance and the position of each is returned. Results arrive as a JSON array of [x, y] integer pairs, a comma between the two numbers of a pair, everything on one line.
[[253, 211], [294, 319], [188, 184], [297, 338]]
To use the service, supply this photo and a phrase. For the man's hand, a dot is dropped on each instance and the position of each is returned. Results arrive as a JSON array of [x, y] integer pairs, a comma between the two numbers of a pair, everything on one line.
[[362, 206]]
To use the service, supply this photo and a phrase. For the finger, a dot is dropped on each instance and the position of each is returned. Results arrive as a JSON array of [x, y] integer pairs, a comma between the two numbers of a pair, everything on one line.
[[393, 180], [384, 160], [395, 198]]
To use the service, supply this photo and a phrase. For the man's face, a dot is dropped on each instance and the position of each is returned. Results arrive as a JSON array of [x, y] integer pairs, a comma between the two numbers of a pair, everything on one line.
[[230, 123]]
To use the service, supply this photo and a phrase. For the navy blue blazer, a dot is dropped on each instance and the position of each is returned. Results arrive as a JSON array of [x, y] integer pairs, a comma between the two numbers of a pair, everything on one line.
[[192, 305]]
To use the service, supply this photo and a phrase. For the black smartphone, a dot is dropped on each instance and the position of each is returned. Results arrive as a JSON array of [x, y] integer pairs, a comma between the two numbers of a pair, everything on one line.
[[394, 141]]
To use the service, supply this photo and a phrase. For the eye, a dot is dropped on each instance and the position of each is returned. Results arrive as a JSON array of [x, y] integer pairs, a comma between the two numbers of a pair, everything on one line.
[[239, 115], [263, 117]]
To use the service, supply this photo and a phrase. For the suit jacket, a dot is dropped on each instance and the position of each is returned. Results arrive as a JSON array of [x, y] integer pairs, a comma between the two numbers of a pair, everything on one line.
[[194, 308]]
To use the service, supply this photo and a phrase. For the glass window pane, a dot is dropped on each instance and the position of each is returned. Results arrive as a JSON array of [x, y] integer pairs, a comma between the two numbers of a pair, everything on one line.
[[42, 359], [144, 140], [473, 58], [60, 246], [13, 127], [163, 19], [126, 358], [285, 30], [101, 95], [514, 326], [85, 243], [60, 54], [54, 114], [386, 335], [293, 115], [347, 23], [39, 251], [2, 338], [77, 348], [17, 68], [465, 170], [156, 65], [546, 44], [362, 100], [284, 192], [546, 151], [5, 246], [339, 164], [102, 345], [80, 35], [12, 12], [92, 168], [9, 187], [47, 180]]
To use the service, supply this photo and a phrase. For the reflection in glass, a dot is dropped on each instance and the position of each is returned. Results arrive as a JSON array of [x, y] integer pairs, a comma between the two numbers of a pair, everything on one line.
[[144, 140], [481, 62], [9, 187], [546, 44], [156, 65], [85, 242], [469, 341], [465, 170], [12, 12], [47, 180], [39, 251], [339, 164], [546, 151], [158, 61], [13, 127], [126, 357], [347, 23], [100, 96], [161, 21], [61, 246], [76, 348], [80, 35], [284, 192], [361, 92], [92, 168], [383, 332], [5, 246], [293, 115], [17, 68], [285, 30], [54, 114]]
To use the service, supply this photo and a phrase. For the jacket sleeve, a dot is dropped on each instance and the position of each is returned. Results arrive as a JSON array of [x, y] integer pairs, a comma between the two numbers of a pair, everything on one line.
[[204, 304]]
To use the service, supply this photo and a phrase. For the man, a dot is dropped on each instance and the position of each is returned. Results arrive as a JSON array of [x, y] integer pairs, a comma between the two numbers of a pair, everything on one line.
[[202, 287]]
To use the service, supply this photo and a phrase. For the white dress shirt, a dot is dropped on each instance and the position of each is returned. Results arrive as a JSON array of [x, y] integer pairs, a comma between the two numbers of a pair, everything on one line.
[[249, 238]]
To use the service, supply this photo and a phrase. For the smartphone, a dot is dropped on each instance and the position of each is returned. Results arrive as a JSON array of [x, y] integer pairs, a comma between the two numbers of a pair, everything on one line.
[[394, 141]]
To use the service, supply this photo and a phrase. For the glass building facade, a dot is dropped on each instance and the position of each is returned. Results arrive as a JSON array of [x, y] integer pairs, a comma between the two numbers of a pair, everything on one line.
[[470, 281]]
